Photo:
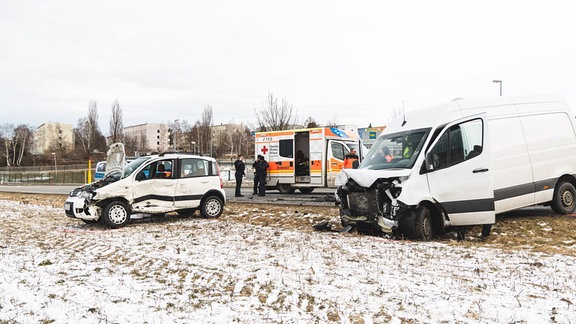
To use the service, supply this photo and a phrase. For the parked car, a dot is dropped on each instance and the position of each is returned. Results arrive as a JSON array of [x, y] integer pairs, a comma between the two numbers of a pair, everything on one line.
[[157, 184], [100, 171]]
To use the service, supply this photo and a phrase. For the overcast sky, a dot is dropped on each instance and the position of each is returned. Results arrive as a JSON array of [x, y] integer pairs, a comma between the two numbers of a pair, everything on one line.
[[348, 61]]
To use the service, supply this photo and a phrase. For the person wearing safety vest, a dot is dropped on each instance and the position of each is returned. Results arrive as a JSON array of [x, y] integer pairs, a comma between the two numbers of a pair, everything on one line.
[[351, 160]]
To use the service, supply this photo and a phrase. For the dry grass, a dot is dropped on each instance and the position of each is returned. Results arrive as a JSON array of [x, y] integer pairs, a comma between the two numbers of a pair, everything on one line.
[[536, 230]]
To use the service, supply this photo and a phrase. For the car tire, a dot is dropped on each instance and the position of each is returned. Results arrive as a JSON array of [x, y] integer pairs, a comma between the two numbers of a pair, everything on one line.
[[116, 214], [285, 188], [211, 207], [564, 199]]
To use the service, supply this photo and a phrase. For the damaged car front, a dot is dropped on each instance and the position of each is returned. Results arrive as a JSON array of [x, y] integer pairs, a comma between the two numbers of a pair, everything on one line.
[[83, 202], [381, 193]]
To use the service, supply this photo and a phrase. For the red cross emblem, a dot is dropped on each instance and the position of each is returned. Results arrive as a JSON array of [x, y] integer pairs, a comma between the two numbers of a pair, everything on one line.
[[264, 150]]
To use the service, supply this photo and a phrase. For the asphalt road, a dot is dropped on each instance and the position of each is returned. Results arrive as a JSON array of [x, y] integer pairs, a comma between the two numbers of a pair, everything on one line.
[[320, 196]]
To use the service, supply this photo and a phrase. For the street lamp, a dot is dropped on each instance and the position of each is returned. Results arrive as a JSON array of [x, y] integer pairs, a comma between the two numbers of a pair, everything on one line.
[[499, 81], [55, 166]]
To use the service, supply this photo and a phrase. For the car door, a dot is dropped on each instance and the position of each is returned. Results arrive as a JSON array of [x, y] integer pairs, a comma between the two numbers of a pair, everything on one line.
[[154, 188], [194, 180], [458, 172]]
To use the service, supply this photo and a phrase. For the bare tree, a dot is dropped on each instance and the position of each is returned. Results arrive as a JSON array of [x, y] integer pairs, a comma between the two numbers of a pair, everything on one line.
[[333, 122], [116, 124], [275, 116], [206, 128], [310, 123], [88, 133], [17, 141]]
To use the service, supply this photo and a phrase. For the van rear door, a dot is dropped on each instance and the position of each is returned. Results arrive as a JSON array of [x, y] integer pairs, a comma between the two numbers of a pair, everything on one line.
[[458, 172]]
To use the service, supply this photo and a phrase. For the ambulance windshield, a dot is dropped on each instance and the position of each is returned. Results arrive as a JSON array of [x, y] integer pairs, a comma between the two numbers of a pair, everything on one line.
[[395, 151]]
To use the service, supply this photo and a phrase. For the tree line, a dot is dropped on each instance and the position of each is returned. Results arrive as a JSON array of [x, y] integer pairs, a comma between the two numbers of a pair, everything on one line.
[[201, 137]]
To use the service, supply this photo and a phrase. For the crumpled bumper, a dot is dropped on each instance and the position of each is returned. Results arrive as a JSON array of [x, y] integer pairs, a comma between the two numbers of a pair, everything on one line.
[[77, 207]]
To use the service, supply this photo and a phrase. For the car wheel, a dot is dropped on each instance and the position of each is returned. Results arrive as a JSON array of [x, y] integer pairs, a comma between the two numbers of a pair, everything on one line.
[[116, 214], [564, 199], [285, 188], [306, 190], [211, 207], [422, 225]]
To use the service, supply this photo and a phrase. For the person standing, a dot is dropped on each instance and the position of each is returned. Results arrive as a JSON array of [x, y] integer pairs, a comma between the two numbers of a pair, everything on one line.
[[254, 165], [239, 174], [261, 171]]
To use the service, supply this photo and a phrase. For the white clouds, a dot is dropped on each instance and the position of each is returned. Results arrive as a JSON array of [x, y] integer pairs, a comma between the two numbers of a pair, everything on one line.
[[325, 57]]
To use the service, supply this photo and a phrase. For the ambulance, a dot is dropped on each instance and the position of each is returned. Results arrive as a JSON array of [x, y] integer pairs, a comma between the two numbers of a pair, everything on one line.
[[305, 159]]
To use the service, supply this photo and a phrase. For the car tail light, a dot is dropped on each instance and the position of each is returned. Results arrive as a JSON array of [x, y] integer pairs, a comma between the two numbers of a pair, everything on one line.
[[219, 176]]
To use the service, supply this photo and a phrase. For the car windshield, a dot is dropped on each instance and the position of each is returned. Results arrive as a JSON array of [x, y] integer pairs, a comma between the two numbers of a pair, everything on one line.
[[395, 151], [130, 167]]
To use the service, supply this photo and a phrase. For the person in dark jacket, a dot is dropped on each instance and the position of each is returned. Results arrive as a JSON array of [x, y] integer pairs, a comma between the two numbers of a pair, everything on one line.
[[239, 174], [261, 167], [255, 176]]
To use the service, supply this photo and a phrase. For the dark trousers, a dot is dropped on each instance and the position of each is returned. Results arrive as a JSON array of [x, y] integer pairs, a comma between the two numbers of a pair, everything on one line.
[[261, 184], [238, 184], [255, 184]]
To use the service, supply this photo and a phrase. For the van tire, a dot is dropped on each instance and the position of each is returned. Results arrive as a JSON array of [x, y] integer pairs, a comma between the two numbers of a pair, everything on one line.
[[211, 207], [115, 214], [564, 200], [285, 188], [422, 224]]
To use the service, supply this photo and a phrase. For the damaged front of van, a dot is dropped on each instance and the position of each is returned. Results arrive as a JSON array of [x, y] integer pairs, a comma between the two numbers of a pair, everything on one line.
[[425, 173], [376, 197]]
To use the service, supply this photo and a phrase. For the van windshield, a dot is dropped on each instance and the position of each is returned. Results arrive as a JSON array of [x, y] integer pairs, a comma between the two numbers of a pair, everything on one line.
[[395, 151]]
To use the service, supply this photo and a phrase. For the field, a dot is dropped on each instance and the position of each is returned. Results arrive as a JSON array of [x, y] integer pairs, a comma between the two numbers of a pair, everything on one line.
[[261, 263]]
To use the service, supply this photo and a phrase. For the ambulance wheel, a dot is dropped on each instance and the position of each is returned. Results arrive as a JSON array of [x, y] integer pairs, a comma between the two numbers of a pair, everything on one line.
[[564, 199], [422, 224], [306, 190], [285, 188], [116, 214]]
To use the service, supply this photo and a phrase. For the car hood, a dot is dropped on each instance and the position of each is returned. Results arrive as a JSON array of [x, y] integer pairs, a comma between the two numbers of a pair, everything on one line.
[[116, 160], [366, 178]]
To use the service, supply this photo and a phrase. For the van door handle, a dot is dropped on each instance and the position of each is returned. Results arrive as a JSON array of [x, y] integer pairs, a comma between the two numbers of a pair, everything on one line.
[[480, 170]]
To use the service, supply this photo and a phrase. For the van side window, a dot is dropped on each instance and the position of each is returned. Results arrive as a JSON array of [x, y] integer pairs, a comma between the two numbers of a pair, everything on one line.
[[458, 144]]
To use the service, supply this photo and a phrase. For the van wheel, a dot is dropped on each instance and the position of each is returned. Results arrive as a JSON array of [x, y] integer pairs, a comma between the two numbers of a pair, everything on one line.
[[211, 207], [422, 224], [306, 190], [564, 200], [116, 214], [285, 188]]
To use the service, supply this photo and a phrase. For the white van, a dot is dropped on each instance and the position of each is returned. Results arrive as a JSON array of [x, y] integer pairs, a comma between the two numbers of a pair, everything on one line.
[[460, 164]]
